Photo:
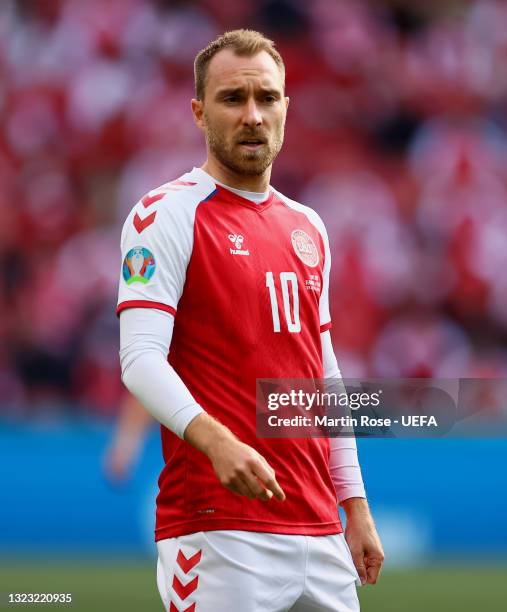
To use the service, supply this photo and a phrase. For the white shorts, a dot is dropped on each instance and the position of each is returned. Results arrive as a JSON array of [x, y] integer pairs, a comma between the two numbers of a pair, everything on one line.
[[242, 571]]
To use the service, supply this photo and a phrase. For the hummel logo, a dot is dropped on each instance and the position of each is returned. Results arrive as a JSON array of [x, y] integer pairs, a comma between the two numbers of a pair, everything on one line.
[[237, 240]]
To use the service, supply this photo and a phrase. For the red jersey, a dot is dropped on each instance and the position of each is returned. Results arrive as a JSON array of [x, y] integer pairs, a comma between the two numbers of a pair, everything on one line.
[[247, 284]]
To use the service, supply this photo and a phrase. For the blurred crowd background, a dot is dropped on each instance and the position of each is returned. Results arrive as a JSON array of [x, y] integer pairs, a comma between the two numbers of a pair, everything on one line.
[[396, 135]]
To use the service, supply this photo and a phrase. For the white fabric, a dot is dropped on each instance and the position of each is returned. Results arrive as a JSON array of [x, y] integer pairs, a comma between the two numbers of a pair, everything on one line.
[[257, 197], [343, 462], [254, 572], [315, 220], [145, 337], [170, 238]]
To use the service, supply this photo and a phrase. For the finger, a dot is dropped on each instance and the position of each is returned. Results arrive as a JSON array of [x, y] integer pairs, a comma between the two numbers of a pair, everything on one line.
[[360, 566], [267, 476], [256, 487], [373, 567], [240, 488]]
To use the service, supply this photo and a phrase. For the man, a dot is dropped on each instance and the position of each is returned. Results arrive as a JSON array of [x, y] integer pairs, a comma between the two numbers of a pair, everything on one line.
[[215, 266]]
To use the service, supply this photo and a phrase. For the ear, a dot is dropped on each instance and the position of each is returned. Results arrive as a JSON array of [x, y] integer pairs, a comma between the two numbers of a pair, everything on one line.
[[287, 100], [198, 113]]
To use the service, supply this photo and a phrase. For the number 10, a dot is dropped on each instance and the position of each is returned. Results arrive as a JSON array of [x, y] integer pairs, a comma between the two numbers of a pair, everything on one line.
[[293, 322]]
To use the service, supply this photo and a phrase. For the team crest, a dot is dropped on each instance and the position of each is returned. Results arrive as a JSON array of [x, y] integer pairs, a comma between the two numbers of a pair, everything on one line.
[[138, 266], [305, 248]]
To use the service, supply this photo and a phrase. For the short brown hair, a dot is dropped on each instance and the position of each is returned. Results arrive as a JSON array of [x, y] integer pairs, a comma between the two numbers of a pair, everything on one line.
[[242, 42]]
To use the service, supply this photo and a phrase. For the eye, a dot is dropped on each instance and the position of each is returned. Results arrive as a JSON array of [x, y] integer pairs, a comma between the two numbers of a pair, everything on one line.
[[231, 99], [270, 99]]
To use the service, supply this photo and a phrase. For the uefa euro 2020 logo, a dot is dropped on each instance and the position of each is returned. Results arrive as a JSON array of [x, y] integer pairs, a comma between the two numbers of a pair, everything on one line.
[[138, 266]]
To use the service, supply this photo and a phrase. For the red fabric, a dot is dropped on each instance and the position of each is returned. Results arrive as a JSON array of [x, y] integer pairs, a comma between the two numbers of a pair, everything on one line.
[[148, 201], [224, 340], [184, 590], [144, 304], [188, 564], [173, 608], [142, 224]]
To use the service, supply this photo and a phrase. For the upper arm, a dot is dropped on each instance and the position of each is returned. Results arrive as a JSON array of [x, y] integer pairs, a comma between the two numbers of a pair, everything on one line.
[[156, 246], [324, 313], [329, 363]]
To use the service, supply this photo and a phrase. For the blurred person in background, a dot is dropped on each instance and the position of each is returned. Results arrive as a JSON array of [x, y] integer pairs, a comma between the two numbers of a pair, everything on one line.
[[203, 255], [127, 441]]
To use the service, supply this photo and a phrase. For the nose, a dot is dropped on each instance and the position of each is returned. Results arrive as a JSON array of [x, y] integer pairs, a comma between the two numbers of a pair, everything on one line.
[[252, 117]]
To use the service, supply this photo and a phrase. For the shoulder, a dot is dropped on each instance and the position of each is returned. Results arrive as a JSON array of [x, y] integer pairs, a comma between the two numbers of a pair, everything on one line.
[[312, 216], [171, 205]]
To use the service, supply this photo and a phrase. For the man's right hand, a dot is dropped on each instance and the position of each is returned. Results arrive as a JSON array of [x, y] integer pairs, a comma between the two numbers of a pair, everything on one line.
[[239, 467]]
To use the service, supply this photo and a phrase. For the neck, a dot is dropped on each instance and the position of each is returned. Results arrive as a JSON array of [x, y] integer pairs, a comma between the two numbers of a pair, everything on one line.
[[218, 171]]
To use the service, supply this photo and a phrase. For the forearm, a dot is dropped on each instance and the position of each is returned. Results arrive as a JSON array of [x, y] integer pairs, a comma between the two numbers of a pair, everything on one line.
[[356, 506], [162, 392], [145, 336], [343, 461], [345, 470], [238, 466], [206, 434]]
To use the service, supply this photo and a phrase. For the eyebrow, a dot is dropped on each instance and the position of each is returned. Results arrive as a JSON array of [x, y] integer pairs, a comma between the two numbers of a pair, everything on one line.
[[229, 91]]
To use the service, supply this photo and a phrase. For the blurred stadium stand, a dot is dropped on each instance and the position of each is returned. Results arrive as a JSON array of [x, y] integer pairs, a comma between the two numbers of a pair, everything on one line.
[[396, 135]]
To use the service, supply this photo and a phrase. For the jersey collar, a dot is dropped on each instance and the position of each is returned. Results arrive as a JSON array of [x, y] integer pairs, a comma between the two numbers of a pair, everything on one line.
[[233, 198], [229, 196]]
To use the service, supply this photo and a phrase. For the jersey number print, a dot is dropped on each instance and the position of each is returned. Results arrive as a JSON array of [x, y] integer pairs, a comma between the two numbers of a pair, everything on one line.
[[292, 318]]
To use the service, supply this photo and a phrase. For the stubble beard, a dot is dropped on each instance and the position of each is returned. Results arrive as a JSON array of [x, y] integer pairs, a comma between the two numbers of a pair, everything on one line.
[[248, 163]]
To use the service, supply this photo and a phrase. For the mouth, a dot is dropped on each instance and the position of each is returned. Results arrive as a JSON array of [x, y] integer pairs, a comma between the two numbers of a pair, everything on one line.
[[252, 144]]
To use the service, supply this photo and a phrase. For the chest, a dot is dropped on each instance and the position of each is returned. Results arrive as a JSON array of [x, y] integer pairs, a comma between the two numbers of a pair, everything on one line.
[[266, 265]]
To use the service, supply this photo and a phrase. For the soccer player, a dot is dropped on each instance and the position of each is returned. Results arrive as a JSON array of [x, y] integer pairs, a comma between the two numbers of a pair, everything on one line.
[[215, 271]]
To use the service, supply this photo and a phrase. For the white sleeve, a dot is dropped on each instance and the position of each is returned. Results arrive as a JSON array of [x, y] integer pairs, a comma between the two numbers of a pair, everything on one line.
[[156, 246], [343, 461], [325, 316], [145, 337]]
